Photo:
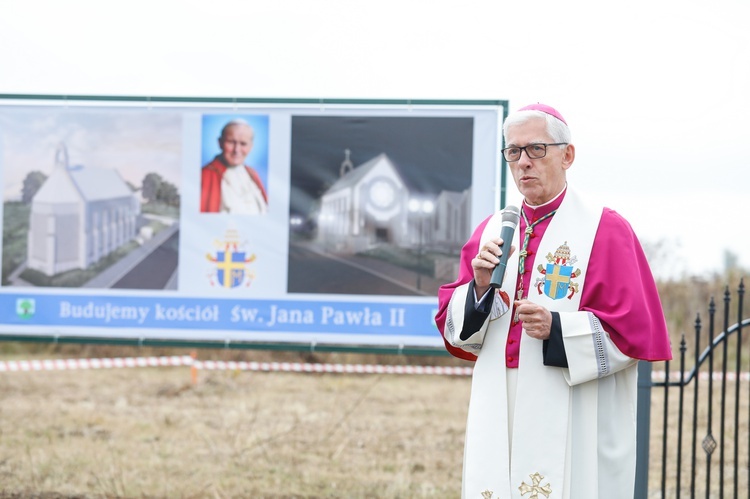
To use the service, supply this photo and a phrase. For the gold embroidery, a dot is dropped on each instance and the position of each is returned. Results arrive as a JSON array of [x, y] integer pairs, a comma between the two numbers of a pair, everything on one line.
[[557, 276], [487, 494], [535, 488]]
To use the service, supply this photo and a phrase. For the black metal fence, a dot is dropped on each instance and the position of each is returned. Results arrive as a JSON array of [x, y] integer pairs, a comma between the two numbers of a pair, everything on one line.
[[697, 420]]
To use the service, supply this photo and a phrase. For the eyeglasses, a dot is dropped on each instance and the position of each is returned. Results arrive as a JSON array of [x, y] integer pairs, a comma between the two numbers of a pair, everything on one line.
[[533, 151]]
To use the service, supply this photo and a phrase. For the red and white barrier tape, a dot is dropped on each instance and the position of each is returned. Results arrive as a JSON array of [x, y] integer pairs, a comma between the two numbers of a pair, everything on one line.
[[331, 368], [219, 365], [674, 376], [211, 365], [74, 364]]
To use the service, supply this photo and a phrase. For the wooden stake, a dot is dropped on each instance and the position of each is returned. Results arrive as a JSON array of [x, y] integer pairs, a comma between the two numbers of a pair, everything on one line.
[[193, 369]]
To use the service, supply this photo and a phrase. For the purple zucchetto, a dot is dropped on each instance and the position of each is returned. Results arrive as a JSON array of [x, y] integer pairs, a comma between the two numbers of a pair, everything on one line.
[[545, 109]]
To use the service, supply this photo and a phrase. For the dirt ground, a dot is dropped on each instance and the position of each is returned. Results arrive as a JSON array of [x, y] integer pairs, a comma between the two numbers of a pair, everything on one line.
[[150, 432]]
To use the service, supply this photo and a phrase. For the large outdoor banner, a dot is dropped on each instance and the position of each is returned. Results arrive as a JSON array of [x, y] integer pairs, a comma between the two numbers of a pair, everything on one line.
[[261, 222]]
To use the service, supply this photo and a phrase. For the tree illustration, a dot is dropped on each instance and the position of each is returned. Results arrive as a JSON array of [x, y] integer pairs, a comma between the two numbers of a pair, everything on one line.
[[151, 185], [156, 189], [31, 185]]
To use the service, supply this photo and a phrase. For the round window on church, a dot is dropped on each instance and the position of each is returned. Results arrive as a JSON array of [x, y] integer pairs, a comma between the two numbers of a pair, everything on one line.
[[382, 193]]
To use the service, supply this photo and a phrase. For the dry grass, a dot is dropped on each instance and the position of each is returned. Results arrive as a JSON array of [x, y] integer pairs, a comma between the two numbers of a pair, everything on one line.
[[703, 461], [151, 433]]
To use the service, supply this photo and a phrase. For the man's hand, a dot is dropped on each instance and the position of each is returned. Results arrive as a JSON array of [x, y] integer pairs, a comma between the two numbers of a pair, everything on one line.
[[537, 320], [485, 262]]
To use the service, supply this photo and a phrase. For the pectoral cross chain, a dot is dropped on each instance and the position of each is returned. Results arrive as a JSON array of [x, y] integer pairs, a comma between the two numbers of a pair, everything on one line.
[[524, 251]]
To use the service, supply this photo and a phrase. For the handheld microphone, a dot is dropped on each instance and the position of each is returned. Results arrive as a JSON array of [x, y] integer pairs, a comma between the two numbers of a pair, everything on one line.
[[510, 221]]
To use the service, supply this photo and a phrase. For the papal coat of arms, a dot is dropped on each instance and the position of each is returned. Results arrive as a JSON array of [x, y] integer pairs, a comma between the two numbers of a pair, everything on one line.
[[558, 274], [231, 262]]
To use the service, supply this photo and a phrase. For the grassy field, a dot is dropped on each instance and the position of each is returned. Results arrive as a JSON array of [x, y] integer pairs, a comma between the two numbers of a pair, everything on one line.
[[149, 432], [152, 432]]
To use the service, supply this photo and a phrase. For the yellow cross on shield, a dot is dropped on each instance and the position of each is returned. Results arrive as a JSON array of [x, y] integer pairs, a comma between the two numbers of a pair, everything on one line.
[[557, 280]]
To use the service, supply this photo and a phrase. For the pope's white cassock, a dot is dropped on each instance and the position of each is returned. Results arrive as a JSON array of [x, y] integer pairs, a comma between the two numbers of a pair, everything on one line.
[[240, 194], [556, 418]]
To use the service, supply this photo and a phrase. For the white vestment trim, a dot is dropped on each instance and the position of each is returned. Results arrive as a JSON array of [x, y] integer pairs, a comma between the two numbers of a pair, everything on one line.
[[554, 406]]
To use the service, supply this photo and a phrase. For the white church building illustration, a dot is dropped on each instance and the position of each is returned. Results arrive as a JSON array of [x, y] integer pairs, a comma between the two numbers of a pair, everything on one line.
[[78, 216], [371, 205]]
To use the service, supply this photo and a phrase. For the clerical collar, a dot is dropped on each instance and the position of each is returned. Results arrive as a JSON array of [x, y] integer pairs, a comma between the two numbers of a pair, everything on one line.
[[538, 211], [224, 162]]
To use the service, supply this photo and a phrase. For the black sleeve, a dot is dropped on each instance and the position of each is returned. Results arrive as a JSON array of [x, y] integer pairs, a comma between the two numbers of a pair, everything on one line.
[[473, 318], [553, 349]]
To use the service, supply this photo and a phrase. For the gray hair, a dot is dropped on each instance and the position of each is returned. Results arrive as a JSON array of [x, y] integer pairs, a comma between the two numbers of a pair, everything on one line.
[[556, 129], [237, 122]]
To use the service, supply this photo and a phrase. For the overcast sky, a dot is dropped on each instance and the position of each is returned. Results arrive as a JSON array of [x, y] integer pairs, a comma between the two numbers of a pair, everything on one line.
[[656, 93], [135, 144]]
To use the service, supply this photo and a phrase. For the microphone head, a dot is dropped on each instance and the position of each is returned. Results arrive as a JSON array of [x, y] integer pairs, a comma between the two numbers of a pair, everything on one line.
[[511, 214]]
